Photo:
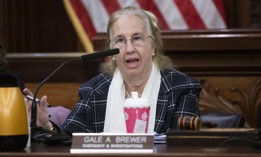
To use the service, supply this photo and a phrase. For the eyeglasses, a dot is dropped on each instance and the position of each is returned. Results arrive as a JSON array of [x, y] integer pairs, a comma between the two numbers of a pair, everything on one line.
[[137, 40]]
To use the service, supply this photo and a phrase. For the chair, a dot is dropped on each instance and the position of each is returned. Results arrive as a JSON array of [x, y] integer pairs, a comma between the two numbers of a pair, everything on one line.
[[220, 120]]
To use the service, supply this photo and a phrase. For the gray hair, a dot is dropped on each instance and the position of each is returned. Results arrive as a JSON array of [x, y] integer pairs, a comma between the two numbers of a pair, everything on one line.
[[153, 30]]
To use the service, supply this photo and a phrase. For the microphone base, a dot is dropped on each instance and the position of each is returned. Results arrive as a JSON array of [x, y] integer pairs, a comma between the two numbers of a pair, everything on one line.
[[38, 134]]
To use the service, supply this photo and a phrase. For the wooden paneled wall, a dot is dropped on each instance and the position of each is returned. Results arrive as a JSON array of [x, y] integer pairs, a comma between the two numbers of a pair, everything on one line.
[[36, 26]]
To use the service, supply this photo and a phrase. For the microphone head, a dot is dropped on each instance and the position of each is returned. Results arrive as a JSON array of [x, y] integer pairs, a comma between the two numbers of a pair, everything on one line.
[[100, 54]]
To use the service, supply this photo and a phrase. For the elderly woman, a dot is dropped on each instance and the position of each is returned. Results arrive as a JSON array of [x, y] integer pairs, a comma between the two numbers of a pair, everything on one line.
[[140, 66]]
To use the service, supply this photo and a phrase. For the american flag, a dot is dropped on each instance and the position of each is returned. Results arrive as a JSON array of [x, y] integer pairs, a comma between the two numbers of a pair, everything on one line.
[[91, 16]]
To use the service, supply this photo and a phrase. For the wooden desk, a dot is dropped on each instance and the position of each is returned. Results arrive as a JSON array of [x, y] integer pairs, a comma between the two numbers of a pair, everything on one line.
[[161, 150]]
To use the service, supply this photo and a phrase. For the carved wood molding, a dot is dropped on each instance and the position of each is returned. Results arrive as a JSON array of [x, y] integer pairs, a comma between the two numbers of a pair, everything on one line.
[[246, 102]]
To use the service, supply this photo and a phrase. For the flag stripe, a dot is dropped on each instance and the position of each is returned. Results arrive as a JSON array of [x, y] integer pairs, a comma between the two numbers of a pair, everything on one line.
[[84, 17], [151, 6], [220, 7], [190, 14], [125, 3], [80, 30], [171, 14], [111, 5], [209, 13], [95, 9]]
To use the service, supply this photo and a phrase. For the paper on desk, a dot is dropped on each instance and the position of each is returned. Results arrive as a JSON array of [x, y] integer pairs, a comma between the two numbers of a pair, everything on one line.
[[160, 138]]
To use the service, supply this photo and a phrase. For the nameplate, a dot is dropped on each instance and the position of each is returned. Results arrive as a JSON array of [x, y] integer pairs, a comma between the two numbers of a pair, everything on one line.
[[112, 143]]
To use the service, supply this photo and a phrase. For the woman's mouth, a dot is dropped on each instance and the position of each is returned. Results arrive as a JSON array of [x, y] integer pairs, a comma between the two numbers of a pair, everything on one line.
[[132, 63]]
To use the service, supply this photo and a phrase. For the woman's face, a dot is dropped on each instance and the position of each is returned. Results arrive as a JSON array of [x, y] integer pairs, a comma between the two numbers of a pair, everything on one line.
[[134, 60]]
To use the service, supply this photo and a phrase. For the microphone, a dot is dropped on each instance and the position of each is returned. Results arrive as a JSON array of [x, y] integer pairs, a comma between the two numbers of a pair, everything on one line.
[[34, 128], [100, 54]]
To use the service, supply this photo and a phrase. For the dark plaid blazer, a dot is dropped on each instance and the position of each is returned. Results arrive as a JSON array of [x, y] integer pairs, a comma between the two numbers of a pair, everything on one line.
[[178, 96]]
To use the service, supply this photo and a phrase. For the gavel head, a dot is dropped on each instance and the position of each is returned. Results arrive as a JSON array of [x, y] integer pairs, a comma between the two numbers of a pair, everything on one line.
[[189, 123]]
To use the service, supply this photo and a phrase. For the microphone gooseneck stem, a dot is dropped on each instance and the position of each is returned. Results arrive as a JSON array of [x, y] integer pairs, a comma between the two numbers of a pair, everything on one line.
[[84, 58], [34, 107]]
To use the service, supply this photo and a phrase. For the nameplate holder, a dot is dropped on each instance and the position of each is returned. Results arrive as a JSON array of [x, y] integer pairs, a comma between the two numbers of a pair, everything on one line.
[[112, 143]]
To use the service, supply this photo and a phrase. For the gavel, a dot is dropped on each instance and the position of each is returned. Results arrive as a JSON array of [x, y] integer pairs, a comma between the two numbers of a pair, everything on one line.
[[189, 123]]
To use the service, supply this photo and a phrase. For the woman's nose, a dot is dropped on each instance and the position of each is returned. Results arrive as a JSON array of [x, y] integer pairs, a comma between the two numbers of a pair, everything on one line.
[[129, 46]]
